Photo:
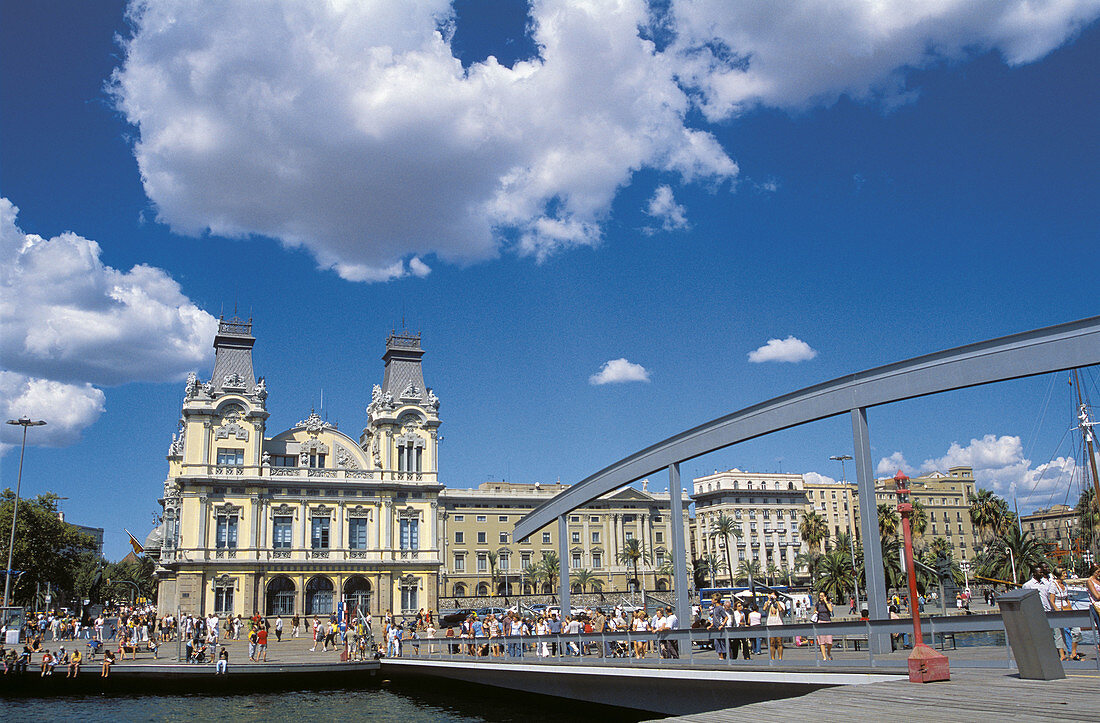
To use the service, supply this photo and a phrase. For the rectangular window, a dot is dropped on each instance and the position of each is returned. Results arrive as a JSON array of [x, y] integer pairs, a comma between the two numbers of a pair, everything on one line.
[[659, 559], [357, 533], [575, 537], [525, 559], [223, 599], [597, 560], [503, 561], [481, 518], [576, 562], [482, 562], [460, 537], [460, 518], [502, 518], [546, 538], [525, 541], [282, 530], [629, 534], [316, 461], [410, 601], [504, 538], [658, 536], [595, 536], [319, 538], [227, 532], [575, 518], [481, 538], [410, 533], [284, 460], [593, 518], [232, 457], [460, 563]]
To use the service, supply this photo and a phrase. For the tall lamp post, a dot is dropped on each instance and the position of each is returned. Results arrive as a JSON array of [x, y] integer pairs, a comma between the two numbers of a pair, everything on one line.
[[842, 458], [23, 422], [925, 664]]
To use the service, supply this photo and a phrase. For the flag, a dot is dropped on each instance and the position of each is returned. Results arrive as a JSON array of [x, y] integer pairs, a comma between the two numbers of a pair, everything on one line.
[[138, 549]]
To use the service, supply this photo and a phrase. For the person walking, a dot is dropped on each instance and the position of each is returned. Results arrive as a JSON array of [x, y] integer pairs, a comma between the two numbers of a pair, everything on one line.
[[279, 628], [295, 626], [718, 621], [823, 613]]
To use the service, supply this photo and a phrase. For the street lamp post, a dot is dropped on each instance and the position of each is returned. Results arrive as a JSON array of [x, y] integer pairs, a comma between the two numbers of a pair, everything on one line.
[[925, 664], [23, 422], [842, 458]]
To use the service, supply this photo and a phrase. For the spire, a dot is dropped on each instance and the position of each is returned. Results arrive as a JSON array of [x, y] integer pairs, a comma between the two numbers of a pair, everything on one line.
[[233, 356], [403, 378]]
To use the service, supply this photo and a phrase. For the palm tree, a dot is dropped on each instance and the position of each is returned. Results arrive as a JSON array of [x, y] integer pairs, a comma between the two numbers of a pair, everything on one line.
[[1027, 552], [551, 567], [837, 577], [587, 578], [918, 519], [725, 526], [1090, 517], [748, 570], [811, 561], [533, 574], [771, 571], [493, 557], [989, 513], [813, 528], [888, 521], [712, 564], [632, 553]]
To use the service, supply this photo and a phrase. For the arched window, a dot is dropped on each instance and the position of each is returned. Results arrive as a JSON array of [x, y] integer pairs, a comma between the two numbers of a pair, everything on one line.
[[662, 585], [504, 588], [577, 589], [280, 596], [319, 594], [546, 588], [357, 595], [460, 589], [483, 589], [527, 589]]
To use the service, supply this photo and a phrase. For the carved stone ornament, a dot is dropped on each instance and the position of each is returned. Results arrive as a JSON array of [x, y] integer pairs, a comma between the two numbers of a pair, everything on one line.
[[321, 511], [283, 510], [227, 509], [432, 401], [175, 449], [224, 580], [345, 459], [376, 452], [410, 392], [192, 387], [260, 390], [410, 512], [233, 381], [171, 490], [313, 423], [359, 511], [232, 428], [375, 393], [409, 580]]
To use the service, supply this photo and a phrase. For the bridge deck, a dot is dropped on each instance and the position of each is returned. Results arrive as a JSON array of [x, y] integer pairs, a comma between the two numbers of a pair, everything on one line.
[[971, 695]]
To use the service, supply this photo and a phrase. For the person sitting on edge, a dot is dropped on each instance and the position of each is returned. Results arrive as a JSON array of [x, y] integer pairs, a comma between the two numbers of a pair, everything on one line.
[[46, 660], [108, 661], [223, 662], [74, 664]]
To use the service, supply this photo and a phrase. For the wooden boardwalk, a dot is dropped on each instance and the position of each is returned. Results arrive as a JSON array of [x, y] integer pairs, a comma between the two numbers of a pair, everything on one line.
[[969, 695]]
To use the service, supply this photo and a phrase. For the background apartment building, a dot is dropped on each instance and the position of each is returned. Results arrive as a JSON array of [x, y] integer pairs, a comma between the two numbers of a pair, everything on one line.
[[946, 498]]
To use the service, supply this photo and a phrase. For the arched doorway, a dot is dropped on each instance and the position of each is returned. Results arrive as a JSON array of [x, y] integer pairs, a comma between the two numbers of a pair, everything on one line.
[[662, 585], [483, 589], [319, 596], [546, 588], [504, 588], [357, 595], [460, 589], [280, 596]]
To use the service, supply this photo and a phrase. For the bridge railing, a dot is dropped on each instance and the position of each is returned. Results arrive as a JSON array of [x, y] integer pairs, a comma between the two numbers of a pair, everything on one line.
[[696, 646]]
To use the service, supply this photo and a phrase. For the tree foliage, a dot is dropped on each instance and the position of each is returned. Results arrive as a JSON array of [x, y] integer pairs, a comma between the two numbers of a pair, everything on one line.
[[46, 549], [813, 528]]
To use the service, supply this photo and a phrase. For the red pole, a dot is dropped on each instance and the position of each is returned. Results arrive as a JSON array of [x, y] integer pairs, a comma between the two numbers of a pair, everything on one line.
[[905, 509]]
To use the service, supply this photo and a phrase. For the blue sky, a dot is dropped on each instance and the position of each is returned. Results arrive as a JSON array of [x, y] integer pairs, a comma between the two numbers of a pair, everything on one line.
[[876, 186]]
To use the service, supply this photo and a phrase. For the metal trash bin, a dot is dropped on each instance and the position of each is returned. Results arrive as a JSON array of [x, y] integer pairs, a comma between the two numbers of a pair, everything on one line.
[[1029, 635]]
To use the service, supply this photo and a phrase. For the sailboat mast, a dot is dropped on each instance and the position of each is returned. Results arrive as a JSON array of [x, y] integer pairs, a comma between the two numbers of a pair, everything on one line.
[[1086, 431]]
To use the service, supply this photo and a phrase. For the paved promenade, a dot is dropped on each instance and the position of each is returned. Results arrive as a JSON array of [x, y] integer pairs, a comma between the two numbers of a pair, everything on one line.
[[970, 695]]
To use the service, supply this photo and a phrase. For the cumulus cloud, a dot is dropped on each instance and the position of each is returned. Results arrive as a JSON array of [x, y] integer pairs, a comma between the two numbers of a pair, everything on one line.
[[72, 323], [783, 350], [353, 130], [663, 207], [736, 55], [617, 371], [999, 464], [817, 479]]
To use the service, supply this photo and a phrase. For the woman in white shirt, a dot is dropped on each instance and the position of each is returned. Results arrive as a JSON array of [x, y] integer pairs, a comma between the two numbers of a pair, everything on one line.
[[640, 625]]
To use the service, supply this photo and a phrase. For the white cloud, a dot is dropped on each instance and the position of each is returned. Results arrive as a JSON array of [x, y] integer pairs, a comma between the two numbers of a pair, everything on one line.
[[617, 371], [67, 409], [817, 479], [352, 130], [663, 207], [888, 466], [783, 350], [797, 54], [989, 452], [70, 322]]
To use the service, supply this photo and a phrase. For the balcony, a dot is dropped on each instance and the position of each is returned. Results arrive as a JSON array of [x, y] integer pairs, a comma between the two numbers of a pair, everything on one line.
[[244, 555], [303, 473]]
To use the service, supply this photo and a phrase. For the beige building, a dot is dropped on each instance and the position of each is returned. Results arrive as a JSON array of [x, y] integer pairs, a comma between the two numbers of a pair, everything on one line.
[[838, 503], [766, 507], [478, 522], [946, 498], [299, 520], [1057, 524]]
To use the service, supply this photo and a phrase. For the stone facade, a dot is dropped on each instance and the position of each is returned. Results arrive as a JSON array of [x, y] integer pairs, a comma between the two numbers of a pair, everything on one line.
[[297, 521]]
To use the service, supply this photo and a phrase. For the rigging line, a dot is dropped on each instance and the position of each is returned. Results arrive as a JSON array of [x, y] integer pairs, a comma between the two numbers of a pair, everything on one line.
[[1038, 479], [1033, 435]]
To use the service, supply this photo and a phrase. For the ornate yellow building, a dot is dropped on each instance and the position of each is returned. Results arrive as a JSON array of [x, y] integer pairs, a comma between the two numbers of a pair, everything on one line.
[[300, 520]]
